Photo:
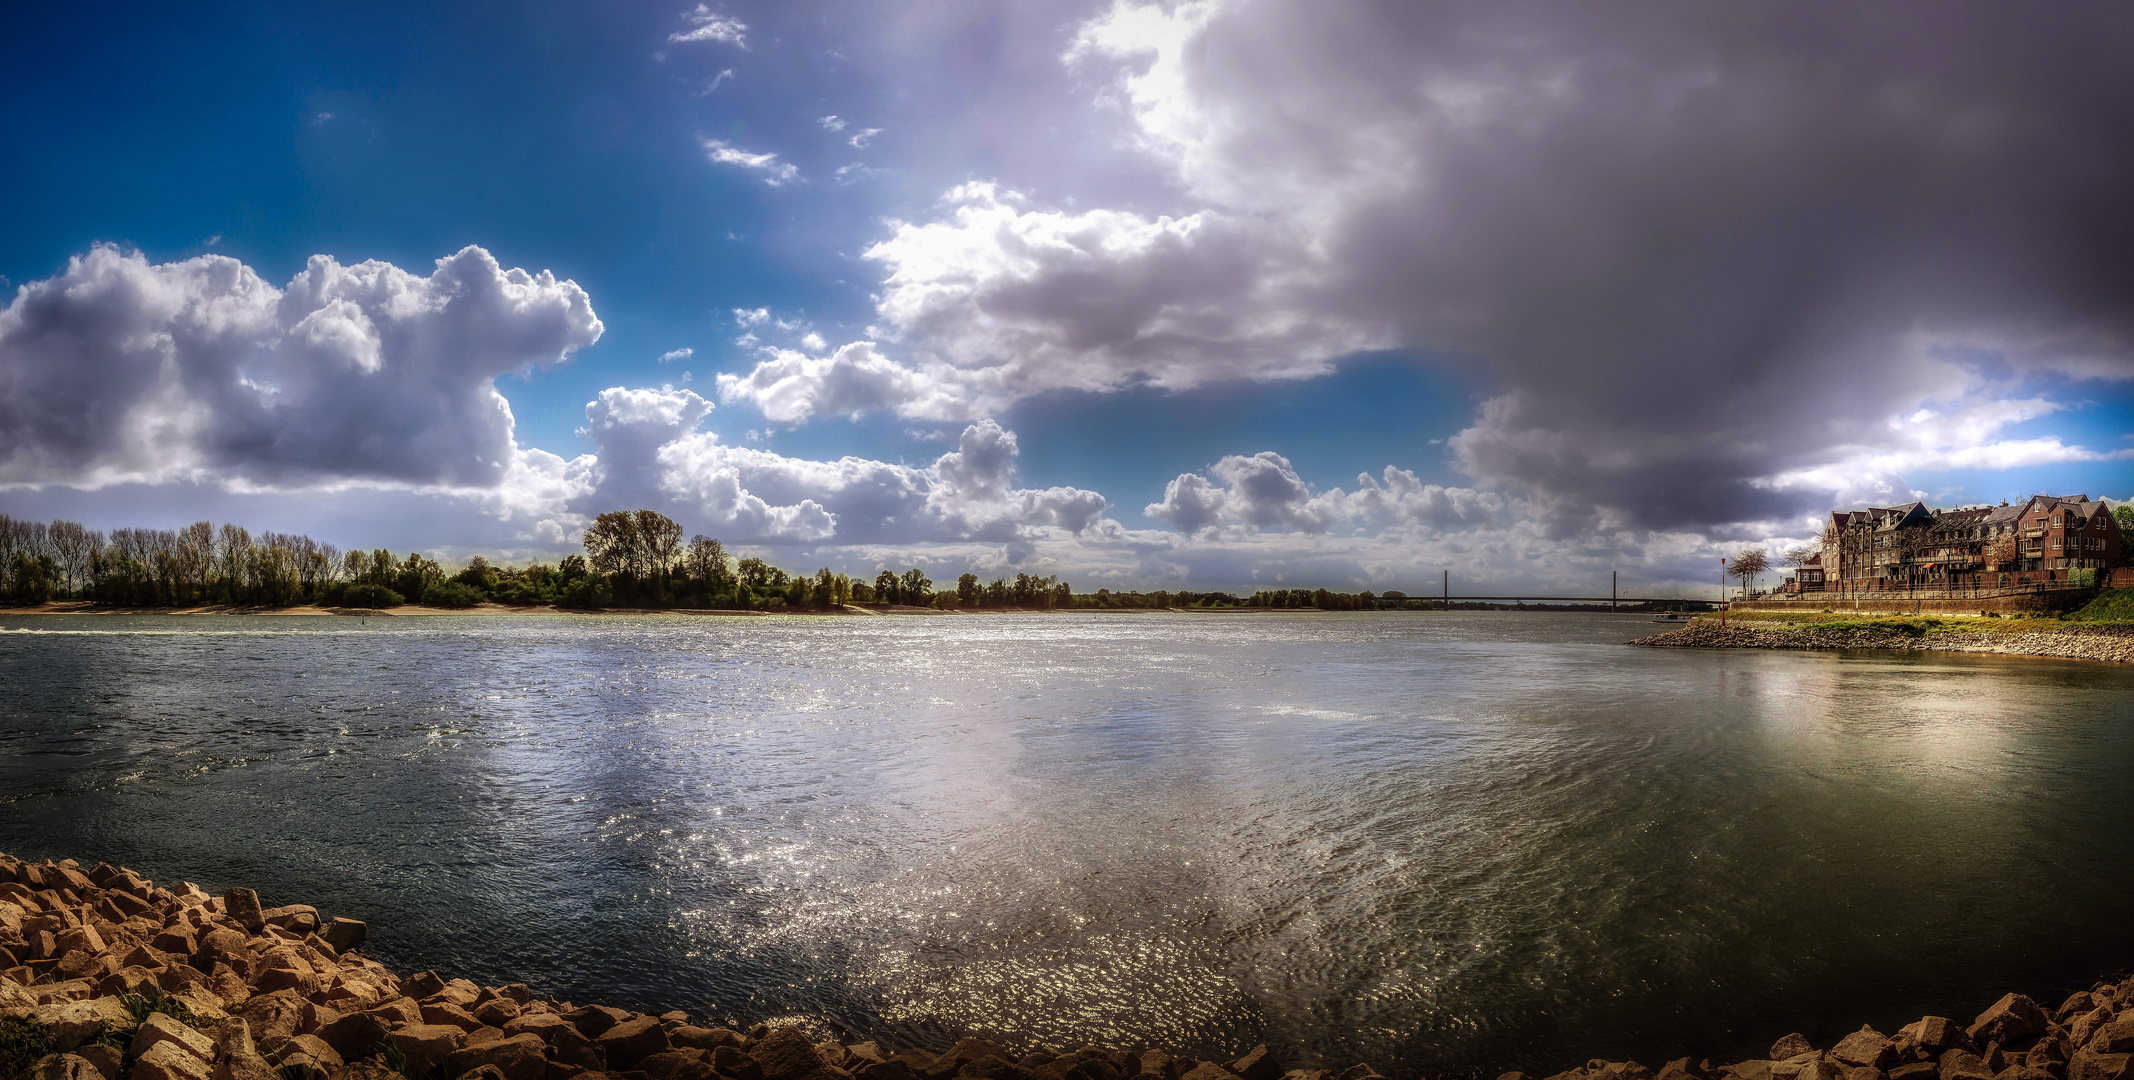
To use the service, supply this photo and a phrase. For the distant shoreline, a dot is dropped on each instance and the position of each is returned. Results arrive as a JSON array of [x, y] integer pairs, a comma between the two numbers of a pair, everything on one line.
[[85, 607]]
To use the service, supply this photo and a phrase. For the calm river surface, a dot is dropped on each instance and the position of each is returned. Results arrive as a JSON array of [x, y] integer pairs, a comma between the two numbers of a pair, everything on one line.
[[1445, 844]]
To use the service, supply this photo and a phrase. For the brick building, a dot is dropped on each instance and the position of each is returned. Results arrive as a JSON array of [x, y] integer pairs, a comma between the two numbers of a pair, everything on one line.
[[2036, 543]]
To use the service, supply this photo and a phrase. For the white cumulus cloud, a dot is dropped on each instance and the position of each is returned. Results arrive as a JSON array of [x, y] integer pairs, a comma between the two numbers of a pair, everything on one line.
[[776, 173], [121, 370], [708, 25]]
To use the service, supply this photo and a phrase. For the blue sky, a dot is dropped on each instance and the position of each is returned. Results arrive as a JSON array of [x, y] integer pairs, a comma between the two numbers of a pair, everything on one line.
[[1161, 280]]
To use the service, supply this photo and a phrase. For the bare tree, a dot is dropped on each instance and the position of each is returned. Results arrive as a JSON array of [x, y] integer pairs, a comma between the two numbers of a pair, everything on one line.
[[72, 544], [1747, 564], [196, 556]]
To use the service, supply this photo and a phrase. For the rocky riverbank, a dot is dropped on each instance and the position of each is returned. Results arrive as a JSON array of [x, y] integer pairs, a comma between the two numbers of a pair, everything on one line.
[[105, 976], [2112, 643]]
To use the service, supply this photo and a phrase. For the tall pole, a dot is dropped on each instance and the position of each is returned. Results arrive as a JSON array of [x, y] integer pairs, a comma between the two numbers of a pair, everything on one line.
[[1448, 590], [1722, 590], [1611, 591]]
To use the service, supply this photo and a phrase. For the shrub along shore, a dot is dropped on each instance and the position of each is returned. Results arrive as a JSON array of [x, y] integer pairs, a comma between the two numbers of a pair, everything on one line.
[[109, 977], [2110, 642]]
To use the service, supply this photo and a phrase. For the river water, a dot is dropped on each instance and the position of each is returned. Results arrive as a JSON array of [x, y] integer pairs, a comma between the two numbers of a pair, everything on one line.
[[1445, 844]]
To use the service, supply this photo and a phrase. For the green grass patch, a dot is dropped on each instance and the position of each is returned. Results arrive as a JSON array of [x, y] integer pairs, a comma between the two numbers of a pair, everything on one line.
[[2111, 606], [1907, 625], [22, 1044]]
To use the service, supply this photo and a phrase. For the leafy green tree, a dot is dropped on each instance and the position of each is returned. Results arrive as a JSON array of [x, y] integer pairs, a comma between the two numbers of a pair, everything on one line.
[[914, 587], [756, 574], [885, 587], [967, 590], [611, 544], [706, 566]]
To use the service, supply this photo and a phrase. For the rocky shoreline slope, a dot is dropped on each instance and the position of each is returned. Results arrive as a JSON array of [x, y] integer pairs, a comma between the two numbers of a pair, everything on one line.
[[2110, 642], [105, 976]]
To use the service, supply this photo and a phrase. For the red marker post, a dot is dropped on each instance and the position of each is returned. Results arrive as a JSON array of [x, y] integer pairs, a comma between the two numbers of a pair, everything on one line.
[[1722, 590]]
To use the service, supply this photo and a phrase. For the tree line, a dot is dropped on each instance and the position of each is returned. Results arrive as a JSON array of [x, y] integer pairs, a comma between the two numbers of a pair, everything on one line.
[[634, 558]]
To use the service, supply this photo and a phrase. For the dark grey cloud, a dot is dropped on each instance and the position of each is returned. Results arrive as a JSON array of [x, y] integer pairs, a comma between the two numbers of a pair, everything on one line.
[[1709, 252]]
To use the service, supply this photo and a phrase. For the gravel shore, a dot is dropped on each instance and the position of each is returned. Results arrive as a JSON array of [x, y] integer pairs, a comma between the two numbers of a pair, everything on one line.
[[2111, 643]]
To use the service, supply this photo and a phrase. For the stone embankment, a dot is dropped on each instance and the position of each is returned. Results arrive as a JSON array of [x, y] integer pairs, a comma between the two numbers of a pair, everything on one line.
[[104, 976], [2112, 643]]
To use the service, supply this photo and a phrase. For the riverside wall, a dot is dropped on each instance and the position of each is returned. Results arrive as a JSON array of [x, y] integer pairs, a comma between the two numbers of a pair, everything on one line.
[[109, 977]]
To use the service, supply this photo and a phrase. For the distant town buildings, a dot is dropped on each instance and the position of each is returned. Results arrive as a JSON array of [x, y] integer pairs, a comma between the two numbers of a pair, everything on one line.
[[2047, 541]]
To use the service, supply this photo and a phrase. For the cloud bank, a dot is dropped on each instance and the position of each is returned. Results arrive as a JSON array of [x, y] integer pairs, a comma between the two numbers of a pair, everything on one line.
[[1715, 261]]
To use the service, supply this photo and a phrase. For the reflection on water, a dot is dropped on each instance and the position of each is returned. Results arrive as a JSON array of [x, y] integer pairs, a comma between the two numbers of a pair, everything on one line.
[[1443, 844]]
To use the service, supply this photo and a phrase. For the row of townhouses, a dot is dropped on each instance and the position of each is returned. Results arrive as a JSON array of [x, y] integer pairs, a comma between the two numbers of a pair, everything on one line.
[[2037, 543]]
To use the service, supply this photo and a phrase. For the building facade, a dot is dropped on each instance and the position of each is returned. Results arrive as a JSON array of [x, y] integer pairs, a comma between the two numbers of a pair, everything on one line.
[[2039, 543]]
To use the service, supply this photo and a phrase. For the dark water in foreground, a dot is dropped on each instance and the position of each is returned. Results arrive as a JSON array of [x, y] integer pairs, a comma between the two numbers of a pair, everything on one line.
[[1443, 844]]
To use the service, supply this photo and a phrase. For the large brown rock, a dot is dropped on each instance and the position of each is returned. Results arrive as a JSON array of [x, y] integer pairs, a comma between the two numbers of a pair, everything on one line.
[[444, 1012], [1866, 1047], [165, 1061], [570, 1046], [2113, 1038], [236, 1056], [518, 1057], [963, 1053], [356, 1035], [66, 1067], [537, 1022], [298, 919], [106, 1058], [73, 1023], [701, 1038], [83, 938], [730, 1061], [345, 934], [1258, 1064], [273, 1018], [985, 1068], [1935, 1034], [242, 905], [593, 1021], [1963, 1065], [497, 1012], [2012, 1017], [366, 1069], [425, 1046], [1791, 1046], [2086, 1065], [398, 1011], [1208, 1071], [312, 1054], [159, 1028], [633, 1041], [179, 940], [2086, 1025], [684, 1064]]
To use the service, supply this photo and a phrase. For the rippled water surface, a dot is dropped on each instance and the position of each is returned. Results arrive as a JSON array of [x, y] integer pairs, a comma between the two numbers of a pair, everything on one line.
[[1444, 844]]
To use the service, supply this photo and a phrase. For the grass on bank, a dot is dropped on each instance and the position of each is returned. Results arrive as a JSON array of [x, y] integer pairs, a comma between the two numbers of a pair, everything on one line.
[[2113, 606]]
